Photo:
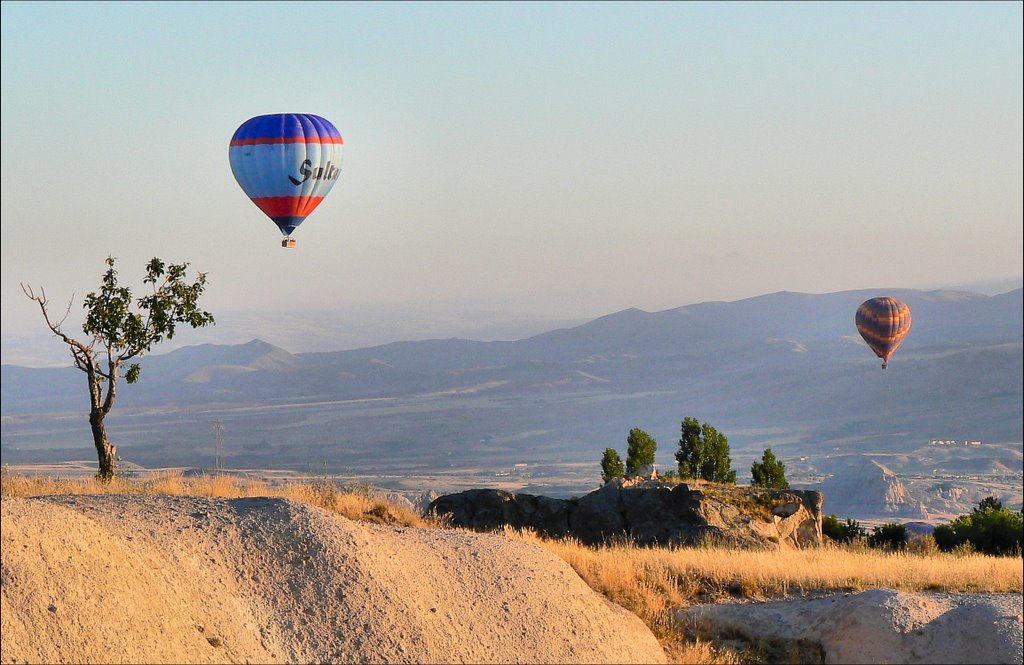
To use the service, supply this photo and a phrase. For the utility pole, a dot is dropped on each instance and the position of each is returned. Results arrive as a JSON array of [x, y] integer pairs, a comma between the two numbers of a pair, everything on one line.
[[218, 443]]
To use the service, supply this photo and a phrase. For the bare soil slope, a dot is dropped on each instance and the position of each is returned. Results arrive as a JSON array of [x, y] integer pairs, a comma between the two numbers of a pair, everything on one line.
[[122, 578]]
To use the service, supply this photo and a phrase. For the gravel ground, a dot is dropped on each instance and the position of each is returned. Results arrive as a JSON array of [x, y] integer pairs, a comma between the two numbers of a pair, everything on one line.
[[188, 579]]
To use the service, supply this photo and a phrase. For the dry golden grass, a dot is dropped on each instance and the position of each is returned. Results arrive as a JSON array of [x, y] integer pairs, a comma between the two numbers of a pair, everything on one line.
[[693, 572], [352, 503], [650, 582], [653, 582]]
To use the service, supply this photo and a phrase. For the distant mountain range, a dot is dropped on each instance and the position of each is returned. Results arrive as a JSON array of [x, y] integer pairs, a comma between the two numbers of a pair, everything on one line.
[[785, 368]]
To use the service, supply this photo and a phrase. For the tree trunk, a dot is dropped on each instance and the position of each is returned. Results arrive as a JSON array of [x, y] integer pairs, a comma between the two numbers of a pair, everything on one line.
[[106, 451]]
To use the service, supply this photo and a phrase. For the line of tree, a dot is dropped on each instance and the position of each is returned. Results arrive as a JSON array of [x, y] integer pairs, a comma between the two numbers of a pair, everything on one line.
[[611, 465], [703, 454], [990, 528], [640, 449]]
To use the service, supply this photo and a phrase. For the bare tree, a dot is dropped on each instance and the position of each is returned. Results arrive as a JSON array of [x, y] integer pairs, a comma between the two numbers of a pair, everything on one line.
[[117, 334]]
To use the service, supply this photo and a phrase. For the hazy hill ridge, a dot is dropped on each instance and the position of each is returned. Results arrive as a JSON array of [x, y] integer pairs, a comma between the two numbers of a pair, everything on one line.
[[778, 329], [784, 369]]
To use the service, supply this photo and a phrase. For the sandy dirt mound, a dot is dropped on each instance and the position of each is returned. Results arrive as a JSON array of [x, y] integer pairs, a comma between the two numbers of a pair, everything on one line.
[[187, 579]]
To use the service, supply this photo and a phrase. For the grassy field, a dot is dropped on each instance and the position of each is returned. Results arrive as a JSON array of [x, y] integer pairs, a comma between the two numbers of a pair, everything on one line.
[[651, 582]]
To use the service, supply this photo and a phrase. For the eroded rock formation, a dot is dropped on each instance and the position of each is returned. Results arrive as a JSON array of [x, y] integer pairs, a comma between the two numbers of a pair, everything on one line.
[[650, 513]]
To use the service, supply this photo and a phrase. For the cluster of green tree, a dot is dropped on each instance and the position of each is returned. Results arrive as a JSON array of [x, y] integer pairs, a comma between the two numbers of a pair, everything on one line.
[[990, 528], [640, 449], [703, 454], [769, 472]]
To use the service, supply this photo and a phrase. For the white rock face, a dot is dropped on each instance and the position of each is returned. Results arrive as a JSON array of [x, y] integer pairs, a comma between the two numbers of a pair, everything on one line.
[[865, 487], [879, 626]]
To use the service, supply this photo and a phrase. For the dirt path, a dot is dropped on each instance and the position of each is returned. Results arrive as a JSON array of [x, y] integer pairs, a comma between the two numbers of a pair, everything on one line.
[[188, 579]]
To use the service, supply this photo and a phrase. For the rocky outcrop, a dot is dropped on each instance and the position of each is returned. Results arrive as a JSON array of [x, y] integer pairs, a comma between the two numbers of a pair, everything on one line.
[[649, 513], [878, 626], [416, 502], [493, 509]]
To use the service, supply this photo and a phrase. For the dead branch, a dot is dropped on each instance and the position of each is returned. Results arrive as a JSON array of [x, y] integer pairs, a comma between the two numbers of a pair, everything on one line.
[[43, 301]]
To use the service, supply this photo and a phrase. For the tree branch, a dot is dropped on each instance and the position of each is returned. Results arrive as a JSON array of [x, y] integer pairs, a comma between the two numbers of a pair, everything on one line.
[[55, 327]]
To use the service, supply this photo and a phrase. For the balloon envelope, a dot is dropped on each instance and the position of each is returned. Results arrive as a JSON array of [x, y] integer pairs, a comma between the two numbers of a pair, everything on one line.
[[286, 163], [883, 323]]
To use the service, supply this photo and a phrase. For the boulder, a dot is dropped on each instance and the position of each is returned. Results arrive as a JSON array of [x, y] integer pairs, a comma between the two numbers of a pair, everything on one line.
[[495, 509], [877, 626], [644, 472], [797, 521], [598, 516], [649, 513]]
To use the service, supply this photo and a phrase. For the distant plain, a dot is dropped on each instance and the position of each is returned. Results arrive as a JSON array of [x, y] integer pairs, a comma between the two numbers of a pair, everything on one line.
[[784, 371]]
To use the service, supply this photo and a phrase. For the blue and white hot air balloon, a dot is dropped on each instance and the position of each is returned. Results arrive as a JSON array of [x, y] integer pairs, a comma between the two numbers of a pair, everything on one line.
[[286, 163]]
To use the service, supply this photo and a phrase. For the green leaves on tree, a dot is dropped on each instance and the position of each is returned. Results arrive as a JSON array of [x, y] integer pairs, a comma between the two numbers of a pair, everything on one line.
[[640, 449], [704, 453], [611, 465], [769, 472]]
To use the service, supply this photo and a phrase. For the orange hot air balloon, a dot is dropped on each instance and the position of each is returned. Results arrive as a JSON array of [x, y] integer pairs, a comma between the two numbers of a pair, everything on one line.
[[883, 323]]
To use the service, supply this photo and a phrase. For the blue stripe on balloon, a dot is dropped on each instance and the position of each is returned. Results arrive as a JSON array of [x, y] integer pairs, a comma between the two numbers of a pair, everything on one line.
[[286, 125]]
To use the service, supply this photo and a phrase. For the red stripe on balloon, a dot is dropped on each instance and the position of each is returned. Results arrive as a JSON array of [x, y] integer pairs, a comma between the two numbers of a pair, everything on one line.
[[269, 140], [287, 206]]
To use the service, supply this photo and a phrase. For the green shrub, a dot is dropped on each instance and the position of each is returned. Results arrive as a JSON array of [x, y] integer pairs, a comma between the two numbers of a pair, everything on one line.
[[890, 536], [379, 513], [988, 503], [839, 531], [989, 528], [947, 538]]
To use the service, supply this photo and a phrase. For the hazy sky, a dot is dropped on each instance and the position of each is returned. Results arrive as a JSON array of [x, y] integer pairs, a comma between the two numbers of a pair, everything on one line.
[[555, 158]]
